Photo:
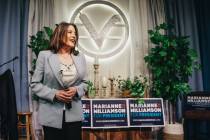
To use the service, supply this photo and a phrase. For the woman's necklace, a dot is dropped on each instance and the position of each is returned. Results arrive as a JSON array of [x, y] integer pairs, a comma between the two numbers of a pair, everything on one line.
[[68, 67]]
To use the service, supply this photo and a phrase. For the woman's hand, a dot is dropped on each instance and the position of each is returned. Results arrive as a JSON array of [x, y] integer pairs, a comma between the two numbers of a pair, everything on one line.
[[63, 96], [72, 91], [66, 95]]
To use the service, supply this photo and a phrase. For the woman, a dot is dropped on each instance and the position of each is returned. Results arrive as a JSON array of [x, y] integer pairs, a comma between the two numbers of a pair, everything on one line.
[[58, 81]]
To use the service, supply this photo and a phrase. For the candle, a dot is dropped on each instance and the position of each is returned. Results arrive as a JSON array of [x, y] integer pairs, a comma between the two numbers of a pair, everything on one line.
[[111, 74], [104, 82], [96, 60]]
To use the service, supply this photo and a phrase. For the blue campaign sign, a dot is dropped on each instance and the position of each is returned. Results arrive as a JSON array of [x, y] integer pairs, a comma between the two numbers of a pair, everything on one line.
[[86, 105], [109, 113], [197, 101], [149, 113]]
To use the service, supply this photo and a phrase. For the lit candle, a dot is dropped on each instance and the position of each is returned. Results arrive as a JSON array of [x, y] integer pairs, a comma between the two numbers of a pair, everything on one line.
[[104, 81]]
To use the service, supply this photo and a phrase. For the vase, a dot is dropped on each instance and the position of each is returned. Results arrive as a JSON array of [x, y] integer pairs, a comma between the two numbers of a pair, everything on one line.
[[91, 93], [126, 94], [173, 131]]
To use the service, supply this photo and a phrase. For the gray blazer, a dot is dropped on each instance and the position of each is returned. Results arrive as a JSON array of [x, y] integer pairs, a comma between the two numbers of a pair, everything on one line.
[[46, 81]]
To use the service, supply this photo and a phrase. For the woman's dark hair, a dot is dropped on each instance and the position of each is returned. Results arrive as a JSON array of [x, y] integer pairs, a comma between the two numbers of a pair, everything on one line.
[[56, 41]]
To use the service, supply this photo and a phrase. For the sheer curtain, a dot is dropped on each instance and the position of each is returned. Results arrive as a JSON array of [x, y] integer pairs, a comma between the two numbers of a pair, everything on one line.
[[144, 15], [41, 14]]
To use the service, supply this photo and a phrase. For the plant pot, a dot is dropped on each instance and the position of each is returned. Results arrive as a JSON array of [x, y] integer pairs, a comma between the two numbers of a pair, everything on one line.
[[126, 94], [91, 93], [175, 129]]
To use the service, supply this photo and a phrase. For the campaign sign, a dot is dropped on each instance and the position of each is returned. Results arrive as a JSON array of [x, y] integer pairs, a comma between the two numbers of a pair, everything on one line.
[[109, 113], [197, 101], [148, 113], [86, 106]]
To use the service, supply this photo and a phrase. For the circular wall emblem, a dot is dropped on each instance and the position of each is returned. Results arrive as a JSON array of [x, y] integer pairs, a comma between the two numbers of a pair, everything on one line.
[[103, 28]]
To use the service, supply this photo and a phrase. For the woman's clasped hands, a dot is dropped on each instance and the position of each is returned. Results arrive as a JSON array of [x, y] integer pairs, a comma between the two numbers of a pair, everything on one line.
[[66, 95]]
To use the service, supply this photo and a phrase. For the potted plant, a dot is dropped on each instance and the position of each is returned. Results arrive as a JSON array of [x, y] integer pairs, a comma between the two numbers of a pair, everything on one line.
[[132, 88], [171, 62], [39, 42], [90, 89]]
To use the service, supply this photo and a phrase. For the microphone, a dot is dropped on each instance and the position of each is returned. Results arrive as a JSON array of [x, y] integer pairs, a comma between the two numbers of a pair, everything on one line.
[[16, 57], [68, 105], [11, 60]]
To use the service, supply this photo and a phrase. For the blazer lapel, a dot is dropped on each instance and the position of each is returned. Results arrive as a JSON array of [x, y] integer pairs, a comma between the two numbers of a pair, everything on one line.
[[55, 66]]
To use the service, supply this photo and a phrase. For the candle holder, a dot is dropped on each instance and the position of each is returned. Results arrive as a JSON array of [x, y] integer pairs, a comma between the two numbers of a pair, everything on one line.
[[111, 86], [103, 91], [96, 79], [104, 85]]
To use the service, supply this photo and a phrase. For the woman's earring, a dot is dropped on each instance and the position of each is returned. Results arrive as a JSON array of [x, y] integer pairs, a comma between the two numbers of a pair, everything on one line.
[[75, 51]]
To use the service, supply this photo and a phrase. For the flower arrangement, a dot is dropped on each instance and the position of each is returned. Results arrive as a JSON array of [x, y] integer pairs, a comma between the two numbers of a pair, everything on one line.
[[90, 89], [132, 88]]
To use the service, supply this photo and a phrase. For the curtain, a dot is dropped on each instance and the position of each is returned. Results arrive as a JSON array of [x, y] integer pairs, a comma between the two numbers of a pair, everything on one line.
[[202, 10], [41, 14], [13, 39], [203, 21], [182, 14], [144, 15], [189, 19], [139, 37]]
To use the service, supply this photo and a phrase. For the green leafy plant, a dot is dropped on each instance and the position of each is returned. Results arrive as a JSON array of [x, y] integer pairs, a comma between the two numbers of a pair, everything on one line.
[[40, 42], [90, 89], [171, 62], [135, 87]]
